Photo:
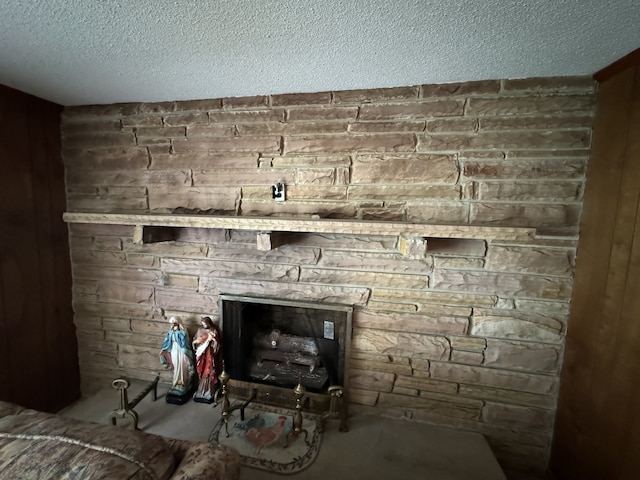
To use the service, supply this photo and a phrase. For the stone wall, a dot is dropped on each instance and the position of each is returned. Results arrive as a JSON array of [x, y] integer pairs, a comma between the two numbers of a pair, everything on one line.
[[469, 334]]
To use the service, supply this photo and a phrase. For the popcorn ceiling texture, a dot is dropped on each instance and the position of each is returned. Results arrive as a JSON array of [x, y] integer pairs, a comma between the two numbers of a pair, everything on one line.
[[110, 51], [465, 333]]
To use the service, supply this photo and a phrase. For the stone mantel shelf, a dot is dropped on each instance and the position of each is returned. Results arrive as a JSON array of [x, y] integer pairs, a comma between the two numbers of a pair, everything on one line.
[[307, 225]]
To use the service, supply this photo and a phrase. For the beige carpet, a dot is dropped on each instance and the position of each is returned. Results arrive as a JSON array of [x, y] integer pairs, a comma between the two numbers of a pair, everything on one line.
[[374, 448]]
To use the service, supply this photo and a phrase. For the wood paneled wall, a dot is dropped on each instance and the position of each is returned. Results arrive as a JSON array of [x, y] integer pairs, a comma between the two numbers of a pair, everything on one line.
[[37, 336], [597, 432]]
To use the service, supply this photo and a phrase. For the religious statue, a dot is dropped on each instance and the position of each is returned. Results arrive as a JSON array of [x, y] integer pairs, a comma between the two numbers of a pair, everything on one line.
[[176, 354], [206, 344]]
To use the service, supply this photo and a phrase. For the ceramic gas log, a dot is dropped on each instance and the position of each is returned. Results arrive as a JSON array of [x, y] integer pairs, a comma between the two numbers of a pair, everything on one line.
[[288, 360]]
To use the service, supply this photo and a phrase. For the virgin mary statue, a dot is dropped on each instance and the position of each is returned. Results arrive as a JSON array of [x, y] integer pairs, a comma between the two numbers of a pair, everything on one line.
[[176, 354]]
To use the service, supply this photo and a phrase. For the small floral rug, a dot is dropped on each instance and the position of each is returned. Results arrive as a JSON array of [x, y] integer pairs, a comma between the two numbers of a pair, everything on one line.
[[261, 438]]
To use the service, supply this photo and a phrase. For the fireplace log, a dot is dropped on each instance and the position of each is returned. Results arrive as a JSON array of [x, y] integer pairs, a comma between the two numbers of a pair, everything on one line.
[[261, 354], [289, 375], [286, 343]]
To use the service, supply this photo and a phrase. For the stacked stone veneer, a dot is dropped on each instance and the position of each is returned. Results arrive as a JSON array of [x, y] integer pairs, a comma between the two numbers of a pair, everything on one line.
[[469, 334]]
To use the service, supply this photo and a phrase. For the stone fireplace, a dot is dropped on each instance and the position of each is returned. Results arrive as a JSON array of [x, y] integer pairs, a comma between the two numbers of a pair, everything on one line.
[[400, 203], [271, 345]]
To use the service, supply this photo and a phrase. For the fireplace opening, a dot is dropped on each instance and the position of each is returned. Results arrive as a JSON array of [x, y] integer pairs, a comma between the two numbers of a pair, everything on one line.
[[282, 343]]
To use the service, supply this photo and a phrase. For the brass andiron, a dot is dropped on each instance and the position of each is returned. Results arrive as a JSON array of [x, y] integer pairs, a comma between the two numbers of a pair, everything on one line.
[[226, 408], [226, 405], [127, 407], [296, 428], [336, 392]]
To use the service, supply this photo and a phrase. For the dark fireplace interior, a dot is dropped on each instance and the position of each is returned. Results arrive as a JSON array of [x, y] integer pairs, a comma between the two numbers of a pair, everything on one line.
[[280, 343]]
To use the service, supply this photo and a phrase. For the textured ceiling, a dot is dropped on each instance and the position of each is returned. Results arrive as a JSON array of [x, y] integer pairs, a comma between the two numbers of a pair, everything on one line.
[[105, 51]]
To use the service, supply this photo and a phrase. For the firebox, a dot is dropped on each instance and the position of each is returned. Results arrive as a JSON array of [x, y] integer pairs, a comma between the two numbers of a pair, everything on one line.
[[275, 344]]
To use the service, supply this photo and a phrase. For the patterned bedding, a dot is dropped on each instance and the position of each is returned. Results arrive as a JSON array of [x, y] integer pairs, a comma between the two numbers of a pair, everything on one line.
[[37, 445]]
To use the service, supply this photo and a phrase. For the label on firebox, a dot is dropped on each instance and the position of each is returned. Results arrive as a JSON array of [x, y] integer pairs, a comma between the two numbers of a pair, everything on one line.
[[328, 330]]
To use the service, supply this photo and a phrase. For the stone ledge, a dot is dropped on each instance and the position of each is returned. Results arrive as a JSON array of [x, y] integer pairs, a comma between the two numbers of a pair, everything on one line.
[[308, 225]]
